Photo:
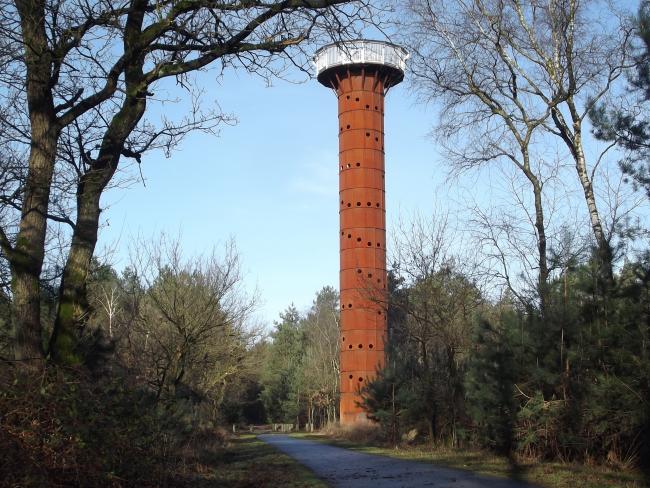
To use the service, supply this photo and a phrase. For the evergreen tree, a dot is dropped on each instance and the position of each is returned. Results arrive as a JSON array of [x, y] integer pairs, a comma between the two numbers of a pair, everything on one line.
[[387, 399], [320, 368], [617, 402], [629, 125], [281, 379], [430, 319], [490, 388]]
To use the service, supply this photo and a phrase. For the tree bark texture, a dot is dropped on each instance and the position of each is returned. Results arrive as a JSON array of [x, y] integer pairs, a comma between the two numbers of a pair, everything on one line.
[[26, 259], [73, 302], [540, 227], [604, 249], [573, 140]]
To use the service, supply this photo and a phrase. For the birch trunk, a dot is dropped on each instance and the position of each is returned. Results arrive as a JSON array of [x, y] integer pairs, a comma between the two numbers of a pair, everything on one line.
[[603, 247]]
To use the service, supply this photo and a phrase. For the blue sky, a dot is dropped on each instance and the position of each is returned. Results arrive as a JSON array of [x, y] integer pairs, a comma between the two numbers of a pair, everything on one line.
[[271, 182]]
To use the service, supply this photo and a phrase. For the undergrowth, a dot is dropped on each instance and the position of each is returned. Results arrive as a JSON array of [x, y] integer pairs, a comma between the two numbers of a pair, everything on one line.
[[63, 427]]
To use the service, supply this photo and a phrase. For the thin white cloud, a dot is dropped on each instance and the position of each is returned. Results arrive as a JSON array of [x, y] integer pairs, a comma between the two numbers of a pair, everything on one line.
[[316, 178]]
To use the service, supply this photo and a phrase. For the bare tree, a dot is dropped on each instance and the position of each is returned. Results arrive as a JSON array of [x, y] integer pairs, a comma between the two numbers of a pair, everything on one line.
[[487, 115], [191, 329], [421, 245], [437, 303], [108, 299], [77, 80], [529, 65]]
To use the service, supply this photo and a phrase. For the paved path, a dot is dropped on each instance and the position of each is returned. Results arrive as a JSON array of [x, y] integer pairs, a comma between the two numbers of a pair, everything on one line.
[[351, 469]]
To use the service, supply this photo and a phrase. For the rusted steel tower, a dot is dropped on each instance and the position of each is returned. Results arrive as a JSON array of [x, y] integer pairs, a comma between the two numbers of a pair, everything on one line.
[[361, 73]]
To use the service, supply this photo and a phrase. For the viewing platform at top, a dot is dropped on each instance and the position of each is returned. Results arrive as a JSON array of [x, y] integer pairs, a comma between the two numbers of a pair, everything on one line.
[[353, 55]]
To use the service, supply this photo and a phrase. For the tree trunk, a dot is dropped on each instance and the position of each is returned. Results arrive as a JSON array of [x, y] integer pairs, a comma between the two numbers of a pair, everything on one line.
[[540, 226], [73, 302], [541, 247], [26, 259], [604, 250], [573, 139]]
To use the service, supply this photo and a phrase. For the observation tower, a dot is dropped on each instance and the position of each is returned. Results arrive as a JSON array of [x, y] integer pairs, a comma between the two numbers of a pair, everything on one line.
[[361, 73]]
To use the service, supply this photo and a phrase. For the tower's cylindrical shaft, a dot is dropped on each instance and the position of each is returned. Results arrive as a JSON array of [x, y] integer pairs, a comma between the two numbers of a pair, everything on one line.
[[361, 72], [362, 233]]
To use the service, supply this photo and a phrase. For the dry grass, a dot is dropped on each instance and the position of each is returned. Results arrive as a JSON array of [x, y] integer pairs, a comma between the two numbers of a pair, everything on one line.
[[248, 462], [544, 474], [365, 434]]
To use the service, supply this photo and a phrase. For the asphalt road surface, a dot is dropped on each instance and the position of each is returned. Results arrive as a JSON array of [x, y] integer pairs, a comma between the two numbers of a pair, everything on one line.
[[351, 469]]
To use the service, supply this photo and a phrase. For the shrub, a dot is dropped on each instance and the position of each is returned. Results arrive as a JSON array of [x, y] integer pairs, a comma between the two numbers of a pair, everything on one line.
[[65, 428]]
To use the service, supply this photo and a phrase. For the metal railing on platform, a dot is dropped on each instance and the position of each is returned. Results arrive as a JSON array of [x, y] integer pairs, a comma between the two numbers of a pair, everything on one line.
[[360, 52]]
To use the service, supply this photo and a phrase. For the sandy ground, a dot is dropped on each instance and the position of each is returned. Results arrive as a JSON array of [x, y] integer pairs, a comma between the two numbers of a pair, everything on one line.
[[346, 468]]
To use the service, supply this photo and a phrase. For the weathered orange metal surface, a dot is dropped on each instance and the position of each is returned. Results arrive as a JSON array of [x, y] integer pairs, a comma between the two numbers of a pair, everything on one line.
[[362, 208]]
